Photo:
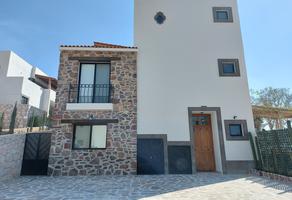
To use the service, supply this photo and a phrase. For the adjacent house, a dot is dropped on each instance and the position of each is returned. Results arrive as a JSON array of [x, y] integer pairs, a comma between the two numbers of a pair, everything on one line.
[[30, 87], [178, 103]]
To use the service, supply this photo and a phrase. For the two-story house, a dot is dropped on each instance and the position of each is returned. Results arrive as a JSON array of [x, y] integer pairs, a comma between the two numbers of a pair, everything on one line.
[[184, 108], [30, 87]]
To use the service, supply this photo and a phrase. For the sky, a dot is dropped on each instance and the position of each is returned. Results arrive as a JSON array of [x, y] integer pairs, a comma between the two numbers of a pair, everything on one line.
[[34, 29]]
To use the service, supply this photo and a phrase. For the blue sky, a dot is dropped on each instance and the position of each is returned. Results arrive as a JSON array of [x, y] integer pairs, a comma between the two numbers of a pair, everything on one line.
[[34, 29]]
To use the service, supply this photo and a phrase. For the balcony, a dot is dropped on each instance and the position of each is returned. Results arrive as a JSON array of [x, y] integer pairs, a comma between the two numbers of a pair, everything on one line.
[[89, 97]]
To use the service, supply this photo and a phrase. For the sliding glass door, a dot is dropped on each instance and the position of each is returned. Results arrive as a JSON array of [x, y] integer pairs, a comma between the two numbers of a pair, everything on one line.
[[94, 83]]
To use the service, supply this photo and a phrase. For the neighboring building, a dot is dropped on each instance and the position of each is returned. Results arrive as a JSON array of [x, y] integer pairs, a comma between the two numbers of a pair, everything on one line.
[[20, 82], [192, 106]]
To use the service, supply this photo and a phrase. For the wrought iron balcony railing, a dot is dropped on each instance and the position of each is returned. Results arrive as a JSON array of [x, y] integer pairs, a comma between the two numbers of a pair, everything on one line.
[[90, 93]]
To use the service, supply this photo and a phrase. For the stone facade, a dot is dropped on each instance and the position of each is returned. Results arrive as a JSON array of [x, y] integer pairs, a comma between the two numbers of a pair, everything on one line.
[[11, 153], [119, 157], [24, 111]]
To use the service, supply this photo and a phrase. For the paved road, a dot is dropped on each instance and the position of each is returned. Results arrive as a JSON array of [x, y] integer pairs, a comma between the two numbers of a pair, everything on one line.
[[201, 186]]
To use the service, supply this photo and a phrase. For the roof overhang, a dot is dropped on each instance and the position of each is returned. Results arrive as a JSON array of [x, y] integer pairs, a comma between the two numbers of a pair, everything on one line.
[[271, 112], [98, 49], [45, 81]]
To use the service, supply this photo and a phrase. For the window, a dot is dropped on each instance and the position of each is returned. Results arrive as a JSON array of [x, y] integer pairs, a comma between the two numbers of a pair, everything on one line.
[[222, 14], [236, 129], [228, 67], [160, 18], [89, 137], [94, 83], [200, 120], [24, 100]]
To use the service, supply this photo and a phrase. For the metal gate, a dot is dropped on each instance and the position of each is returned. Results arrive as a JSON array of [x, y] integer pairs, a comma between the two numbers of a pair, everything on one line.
[[36, 154], [150, 154]]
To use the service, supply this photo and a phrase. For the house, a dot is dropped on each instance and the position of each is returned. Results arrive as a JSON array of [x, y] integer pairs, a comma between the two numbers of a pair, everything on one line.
[[178, 103], [30, 87]]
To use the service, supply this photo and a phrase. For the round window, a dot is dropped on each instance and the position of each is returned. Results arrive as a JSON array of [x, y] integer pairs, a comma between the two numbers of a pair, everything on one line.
[[160, 18]]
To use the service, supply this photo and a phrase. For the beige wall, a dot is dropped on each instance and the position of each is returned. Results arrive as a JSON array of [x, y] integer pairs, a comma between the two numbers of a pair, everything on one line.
[[177, 69]]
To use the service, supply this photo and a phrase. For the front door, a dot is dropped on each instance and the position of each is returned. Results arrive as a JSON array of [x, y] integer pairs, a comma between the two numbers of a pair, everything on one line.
[[203, 142]]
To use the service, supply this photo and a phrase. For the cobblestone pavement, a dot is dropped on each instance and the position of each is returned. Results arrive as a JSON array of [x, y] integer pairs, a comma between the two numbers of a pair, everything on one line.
[[201, 186]]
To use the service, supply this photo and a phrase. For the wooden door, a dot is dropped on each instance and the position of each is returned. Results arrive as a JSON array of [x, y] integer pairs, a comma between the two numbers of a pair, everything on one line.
[[203, 142]]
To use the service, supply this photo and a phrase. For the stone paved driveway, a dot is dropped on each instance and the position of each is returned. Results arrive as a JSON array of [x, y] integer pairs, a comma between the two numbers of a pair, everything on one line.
[[201, 186]]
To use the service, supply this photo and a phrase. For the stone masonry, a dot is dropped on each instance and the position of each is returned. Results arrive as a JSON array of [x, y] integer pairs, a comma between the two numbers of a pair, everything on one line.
[[119, 157], [24, 111], [11, 153]]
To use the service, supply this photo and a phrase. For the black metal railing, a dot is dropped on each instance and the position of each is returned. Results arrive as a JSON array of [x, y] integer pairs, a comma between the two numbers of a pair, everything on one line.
[[90, 93]]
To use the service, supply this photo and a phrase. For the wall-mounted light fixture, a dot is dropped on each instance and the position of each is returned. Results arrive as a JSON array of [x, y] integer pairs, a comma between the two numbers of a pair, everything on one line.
[[234, 117]]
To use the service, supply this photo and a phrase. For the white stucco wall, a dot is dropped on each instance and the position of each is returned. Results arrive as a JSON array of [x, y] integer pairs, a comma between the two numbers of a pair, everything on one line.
[[177, 68], [14, 81]]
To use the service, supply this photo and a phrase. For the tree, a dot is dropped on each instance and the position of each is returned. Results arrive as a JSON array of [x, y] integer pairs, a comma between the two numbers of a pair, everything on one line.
[[1, 121], [13, 119], [272, 98]]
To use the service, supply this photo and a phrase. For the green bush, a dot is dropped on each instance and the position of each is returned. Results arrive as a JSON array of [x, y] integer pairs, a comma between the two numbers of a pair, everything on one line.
[[1, 121], [13, 119]]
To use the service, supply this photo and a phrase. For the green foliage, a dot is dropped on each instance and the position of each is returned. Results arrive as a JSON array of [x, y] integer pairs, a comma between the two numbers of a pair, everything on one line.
[[1, 121], [271, 98], [13, 119], [37, 121], [274, 151]]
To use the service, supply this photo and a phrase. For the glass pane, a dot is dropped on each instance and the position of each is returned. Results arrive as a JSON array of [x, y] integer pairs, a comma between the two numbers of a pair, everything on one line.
[[235, 130], [200, 120], [82, 137], [86, 83], [98, 138], [228, 68], [222, 15], [102, 83]]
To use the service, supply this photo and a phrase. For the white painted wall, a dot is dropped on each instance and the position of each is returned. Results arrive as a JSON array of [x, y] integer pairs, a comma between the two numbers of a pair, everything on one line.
[[14, 82], [177, 68]]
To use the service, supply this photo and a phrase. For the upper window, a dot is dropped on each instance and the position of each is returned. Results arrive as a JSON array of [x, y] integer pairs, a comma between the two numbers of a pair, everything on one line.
[[90, 137], [228, 67], [222, 14], [160, 18], [24, 100], [236, 129], [94, 83]]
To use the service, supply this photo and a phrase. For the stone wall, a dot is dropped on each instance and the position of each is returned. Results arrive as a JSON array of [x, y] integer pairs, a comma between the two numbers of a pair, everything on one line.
[[11, 153], [22, 116], [119, 157]]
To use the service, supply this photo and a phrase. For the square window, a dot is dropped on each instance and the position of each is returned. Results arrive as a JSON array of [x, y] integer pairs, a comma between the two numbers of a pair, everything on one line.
[[24, 100], [228, 67], [222, 14], [90, 137], [235, 130]]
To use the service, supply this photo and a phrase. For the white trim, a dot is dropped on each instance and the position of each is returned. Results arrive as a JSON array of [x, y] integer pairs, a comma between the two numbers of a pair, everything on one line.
[[98, 49], [89, 106]]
